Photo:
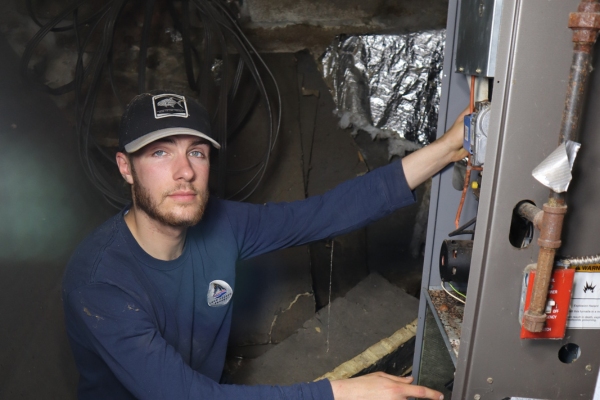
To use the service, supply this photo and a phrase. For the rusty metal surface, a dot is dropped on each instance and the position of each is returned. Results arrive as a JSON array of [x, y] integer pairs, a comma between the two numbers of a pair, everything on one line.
[[584, 24], [450, 312], [548, 241], [575, 99], [535, 317], [531, 213], [552, 224]]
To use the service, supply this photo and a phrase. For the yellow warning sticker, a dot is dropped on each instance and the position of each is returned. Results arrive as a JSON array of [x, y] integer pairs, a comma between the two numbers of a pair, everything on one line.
[[588, 268]]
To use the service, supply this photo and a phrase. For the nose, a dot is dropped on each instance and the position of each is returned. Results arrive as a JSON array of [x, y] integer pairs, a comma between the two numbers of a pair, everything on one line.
[[182, 169]]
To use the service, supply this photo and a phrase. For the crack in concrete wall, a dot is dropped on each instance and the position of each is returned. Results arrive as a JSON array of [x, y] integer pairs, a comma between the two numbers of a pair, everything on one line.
[[289, 307]]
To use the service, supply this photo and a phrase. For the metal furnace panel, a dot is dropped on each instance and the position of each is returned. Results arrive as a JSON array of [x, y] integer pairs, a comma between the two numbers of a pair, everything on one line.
[[479, 25], [534, 56]]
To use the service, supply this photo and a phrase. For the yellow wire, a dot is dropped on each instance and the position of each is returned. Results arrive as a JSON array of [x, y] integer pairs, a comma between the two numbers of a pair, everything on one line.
[[456, 290], [451, 295]]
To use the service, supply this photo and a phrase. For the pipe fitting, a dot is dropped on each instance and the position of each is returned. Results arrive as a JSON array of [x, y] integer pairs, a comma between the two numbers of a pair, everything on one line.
[[585, 24], [531, 213], [551, 226], [534, 323]]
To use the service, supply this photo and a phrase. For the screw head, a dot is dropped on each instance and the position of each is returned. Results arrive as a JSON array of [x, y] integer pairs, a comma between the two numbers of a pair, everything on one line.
[[478, 70], [588, 367], [490, 380], [461, 69], [477, 397]]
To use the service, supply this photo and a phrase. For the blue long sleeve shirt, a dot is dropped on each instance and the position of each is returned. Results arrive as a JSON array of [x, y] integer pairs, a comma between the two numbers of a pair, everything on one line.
[[143, 328]]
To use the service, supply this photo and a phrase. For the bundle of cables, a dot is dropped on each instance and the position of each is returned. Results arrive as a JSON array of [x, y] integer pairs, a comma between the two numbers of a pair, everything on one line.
[[94, 34]]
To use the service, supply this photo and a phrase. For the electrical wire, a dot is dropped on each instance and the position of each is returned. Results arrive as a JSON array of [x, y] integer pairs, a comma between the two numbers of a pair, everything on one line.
[[581, 261], [451, 295], [456, 290], [94, 36], [463, 229], [469, 166]]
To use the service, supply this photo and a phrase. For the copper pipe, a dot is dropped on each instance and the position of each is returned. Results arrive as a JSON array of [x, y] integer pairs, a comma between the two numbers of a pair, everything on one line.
[[585, 24], [469, 166]]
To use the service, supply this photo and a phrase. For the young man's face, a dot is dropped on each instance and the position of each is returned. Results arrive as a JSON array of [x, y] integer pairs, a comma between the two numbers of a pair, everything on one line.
[[169, 179]]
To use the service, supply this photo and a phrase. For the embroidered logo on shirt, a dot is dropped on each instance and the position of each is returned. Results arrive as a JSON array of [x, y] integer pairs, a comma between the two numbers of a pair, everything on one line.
[[219, 293], [169, 105]]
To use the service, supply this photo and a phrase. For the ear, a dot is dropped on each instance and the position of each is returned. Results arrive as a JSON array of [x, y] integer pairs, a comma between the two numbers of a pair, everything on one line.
[[123, 161]]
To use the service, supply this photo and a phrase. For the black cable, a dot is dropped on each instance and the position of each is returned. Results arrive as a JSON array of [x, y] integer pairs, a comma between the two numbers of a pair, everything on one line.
[[267, 69], [244, 52], [35, 41], [462, 230], [184, 28], [219, 31], [143, 56], [29, 5]]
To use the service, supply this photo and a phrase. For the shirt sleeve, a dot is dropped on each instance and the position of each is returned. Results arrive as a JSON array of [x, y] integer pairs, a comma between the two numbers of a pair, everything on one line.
[[349, 206], [113, 325]]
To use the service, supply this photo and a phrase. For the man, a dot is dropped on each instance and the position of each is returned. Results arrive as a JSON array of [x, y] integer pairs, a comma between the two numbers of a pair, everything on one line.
[[147, 295]]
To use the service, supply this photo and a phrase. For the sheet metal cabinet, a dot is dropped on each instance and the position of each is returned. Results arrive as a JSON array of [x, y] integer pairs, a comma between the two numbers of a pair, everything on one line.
[[531, 72]]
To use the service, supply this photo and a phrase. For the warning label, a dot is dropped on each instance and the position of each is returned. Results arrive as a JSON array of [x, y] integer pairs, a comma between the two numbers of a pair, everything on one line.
[[584, 311], [588, 268]]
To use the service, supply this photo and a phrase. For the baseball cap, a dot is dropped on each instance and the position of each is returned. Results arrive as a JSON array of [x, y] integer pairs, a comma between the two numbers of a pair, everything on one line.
[[159, 114]]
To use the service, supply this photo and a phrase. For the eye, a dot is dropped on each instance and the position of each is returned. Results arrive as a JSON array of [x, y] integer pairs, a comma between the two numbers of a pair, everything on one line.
[[197, 153], [159, 153]]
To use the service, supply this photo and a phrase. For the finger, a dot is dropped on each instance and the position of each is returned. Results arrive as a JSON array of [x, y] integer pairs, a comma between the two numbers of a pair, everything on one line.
[[461, 116], [422, 392], [459, 155]]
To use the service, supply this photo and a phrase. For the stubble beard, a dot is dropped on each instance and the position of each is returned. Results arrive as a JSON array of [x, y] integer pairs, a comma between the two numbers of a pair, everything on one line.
[[144, 201]]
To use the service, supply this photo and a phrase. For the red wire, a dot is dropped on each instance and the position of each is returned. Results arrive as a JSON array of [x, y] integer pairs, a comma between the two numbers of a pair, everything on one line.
[[469, 166]]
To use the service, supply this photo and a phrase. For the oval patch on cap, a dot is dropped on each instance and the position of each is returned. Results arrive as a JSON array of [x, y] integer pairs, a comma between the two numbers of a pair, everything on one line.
[[219, 293]]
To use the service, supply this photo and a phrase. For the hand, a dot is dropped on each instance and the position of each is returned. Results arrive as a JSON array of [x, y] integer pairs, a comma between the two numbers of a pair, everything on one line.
[[381, 386], [453, 138], [428, 161]]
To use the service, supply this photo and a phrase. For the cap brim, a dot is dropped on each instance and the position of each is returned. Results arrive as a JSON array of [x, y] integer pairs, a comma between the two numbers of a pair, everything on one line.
[[163, 133]]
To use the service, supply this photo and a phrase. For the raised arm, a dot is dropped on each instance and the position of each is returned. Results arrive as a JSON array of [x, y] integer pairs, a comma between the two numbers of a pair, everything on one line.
[[428, 161], [351, 205]]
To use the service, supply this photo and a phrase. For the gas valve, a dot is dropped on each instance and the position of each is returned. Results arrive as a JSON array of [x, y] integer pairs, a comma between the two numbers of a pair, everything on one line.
[[476, 130]]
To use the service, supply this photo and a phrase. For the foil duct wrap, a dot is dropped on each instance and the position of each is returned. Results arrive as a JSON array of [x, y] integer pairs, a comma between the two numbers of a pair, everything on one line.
[[388, 85]]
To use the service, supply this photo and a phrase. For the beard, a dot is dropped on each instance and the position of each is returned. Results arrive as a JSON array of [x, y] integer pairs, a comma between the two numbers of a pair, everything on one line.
[[143, 200]]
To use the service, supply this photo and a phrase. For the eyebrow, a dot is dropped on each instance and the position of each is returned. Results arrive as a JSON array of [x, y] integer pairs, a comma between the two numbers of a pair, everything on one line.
[[200, 141]]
